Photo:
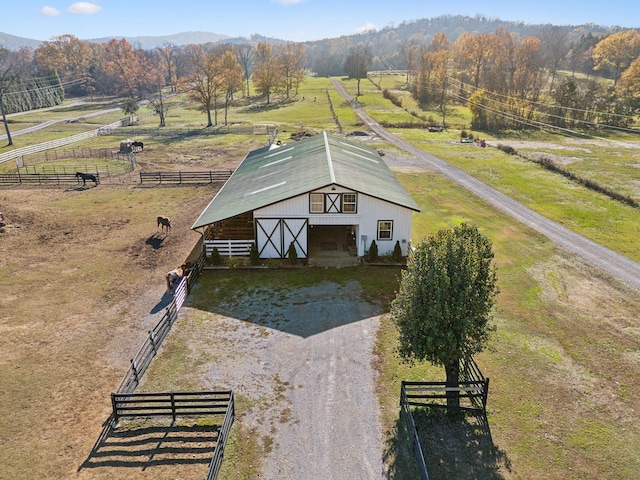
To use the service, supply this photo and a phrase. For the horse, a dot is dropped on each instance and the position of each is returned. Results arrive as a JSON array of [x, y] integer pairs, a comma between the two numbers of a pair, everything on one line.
[[173, 278], [164, 222], [87, 176], [138, 145]]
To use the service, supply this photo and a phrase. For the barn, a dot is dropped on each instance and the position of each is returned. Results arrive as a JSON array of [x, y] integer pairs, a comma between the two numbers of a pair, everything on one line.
[[322, 194]]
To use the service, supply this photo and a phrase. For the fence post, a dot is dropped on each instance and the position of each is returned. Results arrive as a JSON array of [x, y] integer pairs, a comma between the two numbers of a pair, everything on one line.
[[114, 407], [135, 370], [173, 405], [153, 342], [485, 394]]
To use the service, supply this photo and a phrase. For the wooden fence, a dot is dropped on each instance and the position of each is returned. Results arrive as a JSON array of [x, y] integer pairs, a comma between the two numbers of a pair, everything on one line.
[[42, 178], [257, 129], [172, 404], [185, 177], [472, 389]]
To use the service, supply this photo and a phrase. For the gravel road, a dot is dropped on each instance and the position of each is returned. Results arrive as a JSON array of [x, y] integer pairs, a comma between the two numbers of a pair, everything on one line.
[[619, 266]]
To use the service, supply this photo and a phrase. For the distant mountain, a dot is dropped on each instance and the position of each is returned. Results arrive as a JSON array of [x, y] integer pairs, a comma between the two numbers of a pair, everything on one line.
[[177, 39], [11, 42]]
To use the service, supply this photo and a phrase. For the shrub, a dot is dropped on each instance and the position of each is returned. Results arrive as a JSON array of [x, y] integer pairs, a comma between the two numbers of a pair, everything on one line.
[[214, 258], [508, 149], [254, 256], [463, 134], [234, 262], [292, 254], [373, 251], [397, 252]]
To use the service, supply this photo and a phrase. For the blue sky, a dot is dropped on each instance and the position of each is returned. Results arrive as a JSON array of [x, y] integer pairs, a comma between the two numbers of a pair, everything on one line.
[[293, 20]]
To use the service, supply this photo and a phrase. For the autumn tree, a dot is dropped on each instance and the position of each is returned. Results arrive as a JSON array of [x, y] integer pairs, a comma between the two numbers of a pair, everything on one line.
[[130, 70], [168, 54], [474, 54], [290, 59], [630, 81], [206, 82], [267, 76], [357, 63], [232, 78], [66, 56], [616, 52], [433, 72], [444, 303]]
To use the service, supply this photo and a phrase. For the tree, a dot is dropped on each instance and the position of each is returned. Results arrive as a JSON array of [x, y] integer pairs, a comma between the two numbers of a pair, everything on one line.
[[290, 58], [129, 69], [267, 76], [206, 79], [244, 53], [231, 78], [357, 63], [616, 52], [442, 309]]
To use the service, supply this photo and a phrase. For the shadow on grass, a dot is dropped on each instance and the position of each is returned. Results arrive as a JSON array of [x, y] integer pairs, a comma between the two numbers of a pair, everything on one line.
[[148, 446], [162, 303], [456, 446]]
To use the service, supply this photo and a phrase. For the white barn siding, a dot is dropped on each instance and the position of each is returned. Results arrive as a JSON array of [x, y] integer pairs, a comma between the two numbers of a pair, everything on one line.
[[369, 211]]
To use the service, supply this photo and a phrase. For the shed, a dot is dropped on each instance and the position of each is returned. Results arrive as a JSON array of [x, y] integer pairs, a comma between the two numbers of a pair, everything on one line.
[[321, 193]]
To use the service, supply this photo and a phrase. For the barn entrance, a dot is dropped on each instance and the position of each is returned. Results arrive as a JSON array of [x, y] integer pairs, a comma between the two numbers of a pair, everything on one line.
[[332, 242]]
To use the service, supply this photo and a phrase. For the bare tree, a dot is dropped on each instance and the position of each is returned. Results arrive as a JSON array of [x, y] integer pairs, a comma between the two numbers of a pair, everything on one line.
[[244, 53], [9, 75]]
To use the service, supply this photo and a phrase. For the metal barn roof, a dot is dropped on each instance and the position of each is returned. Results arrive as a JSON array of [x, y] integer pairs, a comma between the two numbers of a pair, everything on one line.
[[267, 176]]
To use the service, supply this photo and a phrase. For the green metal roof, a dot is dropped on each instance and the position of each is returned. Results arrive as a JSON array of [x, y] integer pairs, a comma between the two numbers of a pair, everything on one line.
[[270, 175]]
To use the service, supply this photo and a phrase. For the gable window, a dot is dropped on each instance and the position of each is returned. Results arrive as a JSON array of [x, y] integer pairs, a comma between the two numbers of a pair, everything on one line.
[[349, 203], [385, 229], [316, 203]]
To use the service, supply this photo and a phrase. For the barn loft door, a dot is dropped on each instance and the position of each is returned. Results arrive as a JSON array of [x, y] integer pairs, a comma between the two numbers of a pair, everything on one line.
[[332, 203], [275, 234]]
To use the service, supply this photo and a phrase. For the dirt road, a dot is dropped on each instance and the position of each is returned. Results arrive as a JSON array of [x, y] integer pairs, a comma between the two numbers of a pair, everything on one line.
[[607, 260]]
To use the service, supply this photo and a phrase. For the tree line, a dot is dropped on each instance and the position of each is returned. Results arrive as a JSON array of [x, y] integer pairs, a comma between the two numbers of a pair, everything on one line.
[[508, 81]]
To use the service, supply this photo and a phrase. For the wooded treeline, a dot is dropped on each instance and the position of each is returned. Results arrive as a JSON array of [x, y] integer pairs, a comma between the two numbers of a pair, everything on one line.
[[511, 75]]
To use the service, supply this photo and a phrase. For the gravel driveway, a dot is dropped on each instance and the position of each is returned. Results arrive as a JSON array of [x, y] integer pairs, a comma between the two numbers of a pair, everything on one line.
[[305, 358]]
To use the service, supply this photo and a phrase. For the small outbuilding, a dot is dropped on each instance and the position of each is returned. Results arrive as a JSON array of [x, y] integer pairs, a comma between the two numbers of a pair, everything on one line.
[[322, 193]]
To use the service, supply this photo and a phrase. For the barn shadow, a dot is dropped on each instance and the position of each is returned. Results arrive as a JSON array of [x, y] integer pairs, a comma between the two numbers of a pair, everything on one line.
[[143, 446], [303, 311]]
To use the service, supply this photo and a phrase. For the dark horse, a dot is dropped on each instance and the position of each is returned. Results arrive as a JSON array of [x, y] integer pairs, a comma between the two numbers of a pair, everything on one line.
[[164, 222], [137, 145], [87, 176]]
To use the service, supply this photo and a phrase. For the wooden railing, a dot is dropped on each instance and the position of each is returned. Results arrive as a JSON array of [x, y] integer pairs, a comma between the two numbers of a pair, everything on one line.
[[230, 248], [472, 389], [185, 177]]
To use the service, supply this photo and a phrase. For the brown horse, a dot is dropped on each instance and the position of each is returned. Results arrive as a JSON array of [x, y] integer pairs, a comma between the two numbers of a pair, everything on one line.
[[174, 276], [164, 223]]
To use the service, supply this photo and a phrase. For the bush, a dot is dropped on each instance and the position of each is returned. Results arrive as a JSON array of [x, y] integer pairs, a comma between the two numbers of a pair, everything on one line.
[[463, 134], [254, 256], [397, 252], [508, 149], [292, 254], [234, 262], [373, 251], [214, 258]]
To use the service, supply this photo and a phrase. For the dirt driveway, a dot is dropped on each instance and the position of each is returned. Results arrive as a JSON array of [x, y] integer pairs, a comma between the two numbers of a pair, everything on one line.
[[302, 360]]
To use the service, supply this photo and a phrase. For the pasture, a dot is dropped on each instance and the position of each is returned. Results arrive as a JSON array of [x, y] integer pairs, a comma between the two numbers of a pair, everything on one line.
[[84, 279]]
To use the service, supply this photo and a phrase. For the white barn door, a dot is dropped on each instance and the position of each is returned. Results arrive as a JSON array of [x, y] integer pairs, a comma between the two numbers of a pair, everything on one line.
[[269, 237], [274, 235], [295, 230]]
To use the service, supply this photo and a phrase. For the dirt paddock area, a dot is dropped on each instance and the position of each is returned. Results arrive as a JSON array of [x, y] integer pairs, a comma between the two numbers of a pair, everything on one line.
[[82, 284]]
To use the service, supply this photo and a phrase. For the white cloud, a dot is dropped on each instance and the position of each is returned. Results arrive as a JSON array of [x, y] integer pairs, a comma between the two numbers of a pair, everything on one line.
[[50, 11], [84, 8], [367, 27]]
